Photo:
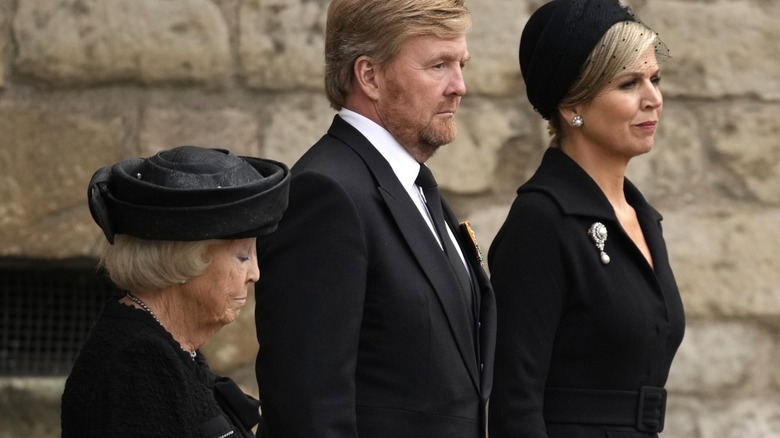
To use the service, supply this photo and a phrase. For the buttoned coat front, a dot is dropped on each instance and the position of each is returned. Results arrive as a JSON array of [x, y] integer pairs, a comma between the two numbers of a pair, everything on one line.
[[361, 331], [566, 319]]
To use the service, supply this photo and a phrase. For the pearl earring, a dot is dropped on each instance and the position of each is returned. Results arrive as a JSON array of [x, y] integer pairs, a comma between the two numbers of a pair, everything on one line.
[[577, 121]]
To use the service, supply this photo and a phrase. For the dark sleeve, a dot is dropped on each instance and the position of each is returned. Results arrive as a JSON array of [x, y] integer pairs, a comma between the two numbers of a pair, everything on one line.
[[527, 274], [310, 298], [151, 395]]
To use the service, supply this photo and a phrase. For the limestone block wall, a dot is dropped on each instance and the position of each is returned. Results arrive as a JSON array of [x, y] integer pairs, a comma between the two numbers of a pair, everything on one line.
[[84, 83]]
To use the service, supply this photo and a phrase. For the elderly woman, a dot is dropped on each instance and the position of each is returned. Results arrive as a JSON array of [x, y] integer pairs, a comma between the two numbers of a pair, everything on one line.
[[589, 313], [181, 229]]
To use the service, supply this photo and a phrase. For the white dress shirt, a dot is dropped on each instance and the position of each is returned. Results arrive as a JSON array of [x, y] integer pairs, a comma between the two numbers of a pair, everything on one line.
[[401, 161]]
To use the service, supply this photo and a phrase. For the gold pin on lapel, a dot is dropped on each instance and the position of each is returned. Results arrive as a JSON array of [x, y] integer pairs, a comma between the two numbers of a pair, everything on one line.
[[467, 226]]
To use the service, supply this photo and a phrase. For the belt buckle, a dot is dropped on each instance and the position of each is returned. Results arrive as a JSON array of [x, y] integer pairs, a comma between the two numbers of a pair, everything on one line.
[[651, 409]]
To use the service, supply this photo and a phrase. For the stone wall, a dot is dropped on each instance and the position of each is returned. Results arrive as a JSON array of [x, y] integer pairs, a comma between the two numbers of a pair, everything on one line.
[[87, 82]]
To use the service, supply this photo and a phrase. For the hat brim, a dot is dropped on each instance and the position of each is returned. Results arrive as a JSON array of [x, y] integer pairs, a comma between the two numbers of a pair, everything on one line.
[[229, 213]]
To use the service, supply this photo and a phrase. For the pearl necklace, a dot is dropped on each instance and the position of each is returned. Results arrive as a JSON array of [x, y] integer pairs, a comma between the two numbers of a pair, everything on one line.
[[143, 305]]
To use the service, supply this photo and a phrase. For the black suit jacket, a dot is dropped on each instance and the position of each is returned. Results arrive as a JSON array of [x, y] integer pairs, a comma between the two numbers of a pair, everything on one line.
[[360, 325]]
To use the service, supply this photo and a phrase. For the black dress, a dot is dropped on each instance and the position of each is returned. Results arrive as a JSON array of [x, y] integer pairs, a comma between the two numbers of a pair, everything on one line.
[[583, 348], [132, 379]]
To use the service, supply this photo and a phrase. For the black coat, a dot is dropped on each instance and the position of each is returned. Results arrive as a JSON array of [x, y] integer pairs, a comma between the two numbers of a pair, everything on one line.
[[566, 320], [132, 379], [361, 329]]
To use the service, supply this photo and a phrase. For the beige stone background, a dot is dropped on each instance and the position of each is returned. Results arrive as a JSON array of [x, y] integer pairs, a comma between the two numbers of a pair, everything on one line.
[[84, 83]]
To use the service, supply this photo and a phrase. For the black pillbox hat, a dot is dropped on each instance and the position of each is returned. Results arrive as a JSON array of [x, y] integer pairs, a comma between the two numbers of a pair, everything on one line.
[[556, 42]]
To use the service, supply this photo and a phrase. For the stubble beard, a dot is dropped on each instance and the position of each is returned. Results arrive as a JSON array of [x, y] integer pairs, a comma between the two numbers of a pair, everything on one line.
[[433, 137], [428, 139], [436, 137], [421, 141]]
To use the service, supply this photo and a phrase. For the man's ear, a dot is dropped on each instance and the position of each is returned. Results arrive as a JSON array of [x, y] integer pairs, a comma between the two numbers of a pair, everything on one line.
[[367, 76]]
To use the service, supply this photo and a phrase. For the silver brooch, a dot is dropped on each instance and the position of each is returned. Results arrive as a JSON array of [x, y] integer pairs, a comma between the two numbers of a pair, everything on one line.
[[598, 233]]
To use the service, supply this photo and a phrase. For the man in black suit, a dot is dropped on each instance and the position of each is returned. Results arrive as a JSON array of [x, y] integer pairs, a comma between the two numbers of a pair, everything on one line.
[[374, 318]]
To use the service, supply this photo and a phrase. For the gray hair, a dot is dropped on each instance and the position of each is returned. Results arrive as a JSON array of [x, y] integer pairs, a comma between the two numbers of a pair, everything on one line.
[[140, 264]]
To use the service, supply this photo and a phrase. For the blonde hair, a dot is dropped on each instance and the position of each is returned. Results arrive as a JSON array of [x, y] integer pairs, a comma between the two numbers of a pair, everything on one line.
[[140, 264], [379, 29], [621, 46]]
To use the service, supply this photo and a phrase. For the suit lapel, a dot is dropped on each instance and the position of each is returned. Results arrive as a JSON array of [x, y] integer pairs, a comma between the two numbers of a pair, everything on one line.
[[484, 299], [438, 271], [419, 238]]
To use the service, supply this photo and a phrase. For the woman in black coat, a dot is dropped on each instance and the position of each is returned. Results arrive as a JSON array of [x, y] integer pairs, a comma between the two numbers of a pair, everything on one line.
[[589, 314], [181, 228]]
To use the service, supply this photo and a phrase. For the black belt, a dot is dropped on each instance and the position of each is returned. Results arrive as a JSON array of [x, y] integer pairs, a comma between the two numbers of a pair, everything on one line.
[[644, 409]]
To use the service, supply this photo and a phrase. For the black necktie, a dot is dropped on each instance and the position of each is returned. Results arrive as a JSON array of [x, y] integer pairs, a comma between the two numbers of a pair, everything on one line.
[[430, 189]]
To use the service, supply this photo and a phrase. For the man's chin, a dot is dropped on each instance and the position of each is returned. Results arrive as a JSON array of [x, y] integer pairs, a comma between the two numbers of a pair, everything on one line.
[[440, 137]]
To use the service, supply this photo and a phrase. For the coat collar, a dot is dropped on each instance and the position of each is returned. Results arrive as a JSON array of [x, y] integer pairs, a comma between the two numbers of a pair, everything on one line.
[[576, 193]]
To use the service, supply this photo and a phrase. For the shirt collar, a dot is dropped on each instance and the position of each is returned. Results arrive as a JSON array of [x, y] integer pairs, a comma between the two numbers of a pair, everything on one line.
[[401, 161]]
